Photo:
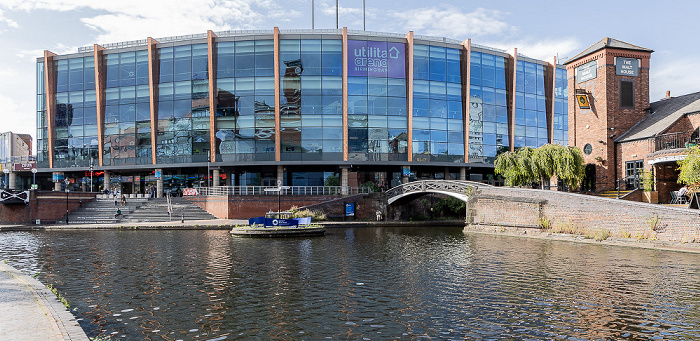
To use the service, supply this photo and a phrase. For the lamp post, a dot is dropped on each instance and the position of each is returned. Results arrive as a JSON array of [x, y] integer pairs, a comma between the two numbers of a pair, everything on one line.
[[91, 167], [33, 178], [67, 182], [7, 174]]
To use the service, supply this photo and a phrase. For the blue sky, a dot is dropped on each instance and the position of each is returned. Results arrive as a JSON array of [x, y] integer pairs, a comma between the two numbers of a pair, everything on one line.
[[539, 29]]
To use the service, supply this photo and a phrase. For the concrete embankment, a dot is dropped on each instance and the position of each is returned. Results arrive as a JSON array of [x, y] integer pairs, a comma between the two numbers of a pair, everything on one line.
[[30, 311]]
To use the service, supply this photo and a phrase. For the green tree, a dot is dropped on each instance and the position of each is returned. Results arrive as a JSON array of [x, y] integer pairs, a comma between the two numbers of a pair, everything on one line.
[[690, 169], [528, 165]]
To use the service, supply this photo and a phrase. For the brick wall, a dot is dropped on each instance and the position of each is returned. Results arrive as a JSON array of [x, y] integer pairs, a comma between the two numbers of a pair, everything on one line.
[[605, 120], [49, 206], [246, 207], [616, 216]]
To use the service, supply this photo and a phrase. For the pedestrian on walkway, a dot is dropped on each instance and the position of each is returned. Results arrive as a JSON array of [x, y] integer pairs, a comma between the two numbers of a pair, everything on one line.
[[123, 200]]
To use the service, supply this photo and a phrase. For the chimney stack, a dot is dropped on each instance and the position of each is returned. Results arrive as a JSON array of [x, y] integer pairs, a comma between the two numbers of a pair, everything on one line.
[[668, 94]]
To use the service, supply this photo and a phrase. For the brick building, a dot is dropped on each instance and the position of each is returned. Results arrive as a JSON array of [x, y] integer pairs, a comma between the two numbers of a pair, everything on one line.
[[617, 127]]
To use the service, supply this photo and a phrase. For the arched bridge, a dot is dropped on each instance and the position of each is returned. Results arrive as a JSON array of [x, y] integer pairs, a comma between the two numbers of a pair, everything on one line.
[[454, 188]]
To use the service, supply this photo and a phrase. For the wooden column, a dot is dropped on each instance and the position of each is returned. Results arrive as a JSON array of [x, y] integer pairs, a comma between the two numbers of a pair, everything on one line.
[[345, 94], [211, 66], [50, 93], [278, 139], [153, 93], [409, 94], [99, 100], [466, 84]]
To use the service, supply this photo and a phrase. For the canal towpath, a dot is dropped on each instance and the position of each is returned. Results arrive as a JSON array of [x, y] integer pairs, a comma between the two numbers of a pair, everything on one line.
[[32, 312]]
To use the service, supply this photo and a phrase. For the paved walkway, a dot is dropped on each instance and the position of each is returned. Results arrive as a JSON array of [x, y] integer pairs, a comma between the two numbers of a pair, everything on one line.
[[30, 311]]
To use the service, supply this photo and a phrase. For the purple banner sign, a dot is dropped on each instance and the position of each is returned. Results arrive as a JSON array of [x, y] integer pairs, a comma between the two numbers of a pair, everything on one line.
[[376, 59]]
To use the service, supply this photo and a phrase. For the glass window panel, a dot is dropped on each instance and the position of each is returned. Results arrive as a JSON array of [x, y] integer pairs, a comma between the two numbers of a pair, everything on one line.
[[332, 85], [127, 113], [142, 93], [264, 58], [244, 59], [165, 58], [438, 89], [357, 86], [200, 61], [421, 88], [311, 56], [421, 62], [421, 107], [142, 67], [112, 96], [396, 106], [438, 63], [112, 70], [224, 59], [332, 57]]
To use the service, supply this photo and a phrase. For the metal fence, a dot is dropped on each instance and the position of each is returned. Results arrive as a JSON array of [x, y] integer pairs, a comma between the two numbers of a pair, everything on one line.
[[674, 140], [285, 190]]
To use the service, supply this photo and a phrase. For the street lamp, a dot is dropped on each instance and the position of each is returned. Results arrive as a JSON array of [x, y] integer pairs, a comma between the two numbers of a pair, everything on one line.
[[91, 167], [67, 182], [33, 178], [7, 173]]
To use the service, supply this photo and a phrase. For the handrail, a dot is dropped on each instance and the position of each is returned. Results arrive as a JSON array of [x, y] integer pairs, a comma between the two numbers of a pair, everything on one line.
[[286, 190], [673, 140]]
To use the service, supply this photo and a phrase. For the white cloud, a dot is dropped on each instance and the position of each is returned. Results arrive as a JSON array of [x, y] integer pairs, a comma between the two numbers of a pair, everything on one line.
[[449, 21], [679, 75], [138, 19], [542, 49], [9, 22]]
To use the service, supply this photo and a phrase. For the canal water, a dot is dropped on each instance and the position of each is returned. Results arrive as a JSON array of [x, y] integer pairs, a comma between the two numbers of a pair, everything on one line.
[[361, 284]]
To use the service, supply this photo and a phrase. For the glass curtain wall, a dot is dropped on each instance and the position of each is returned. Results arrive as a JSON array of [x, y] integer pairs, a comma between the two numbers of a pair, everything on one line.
[[560, 133], [245, 96], [311, 102], [488, 112], [530, 128], [75, 124], [183, 105], [377, 109], [437, 105], [127, 139], [42, 145]]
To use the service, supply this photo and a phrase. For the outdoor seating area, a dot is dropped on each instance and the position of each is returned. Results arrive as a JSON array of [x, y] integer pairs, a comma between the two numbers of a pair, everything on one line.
[[677, 199]]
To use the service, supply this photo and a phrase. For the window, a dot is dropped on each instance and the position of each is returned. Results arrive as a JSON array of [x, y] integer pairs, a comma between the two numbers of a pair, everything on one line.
[[633, 171], [626, 94]]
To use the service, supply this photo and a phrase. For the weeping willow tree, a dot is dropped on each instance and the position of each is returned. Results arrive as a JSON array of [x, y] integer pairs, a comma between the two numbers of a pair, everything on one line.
[[690, 169], [529, 165]]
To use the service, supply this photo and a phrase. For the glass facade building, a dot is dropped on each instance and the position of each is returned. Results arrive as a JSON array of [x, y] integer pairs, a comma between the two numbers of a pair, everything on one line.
[[298, 106]]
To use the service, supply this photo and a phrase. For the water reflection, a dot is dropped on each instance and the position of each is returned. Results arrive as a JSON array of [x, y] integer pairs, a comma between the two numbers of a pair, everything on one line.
[[377, 283]]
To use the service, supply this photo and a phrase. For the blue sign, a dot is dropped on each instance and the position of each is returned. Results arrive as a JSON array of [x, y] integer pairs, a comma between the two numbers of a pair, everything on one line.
[[159, 174], [350, 209], [274, 222], [58, 177]]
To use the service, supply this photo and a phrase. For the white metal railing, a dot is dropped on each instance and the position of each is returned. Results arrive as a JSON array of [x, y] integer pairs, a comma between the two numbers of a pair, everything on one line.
[[286, 190]]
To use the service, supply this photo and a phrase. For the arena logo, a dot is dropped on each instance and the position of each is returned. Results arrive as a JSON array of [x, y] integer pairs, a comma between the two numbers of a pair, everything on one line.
[[376, 59]]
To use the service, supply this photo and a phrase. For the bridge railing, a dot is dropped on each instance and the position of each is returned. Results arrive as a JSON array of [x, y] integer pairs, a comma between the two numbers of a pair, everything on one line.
[[460, 187], [286, 190]]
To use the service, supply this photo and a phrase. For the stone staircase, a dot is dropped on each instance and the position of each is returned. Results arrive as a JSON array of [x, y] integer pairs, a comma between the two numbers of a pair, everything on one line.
[[612, 194], [102, 210], [156, 210]]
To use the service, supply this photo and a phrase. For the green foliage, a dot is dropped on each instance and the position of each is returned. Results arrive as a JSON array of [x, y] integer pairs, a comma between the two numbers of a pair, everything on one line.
[[299, 213], [690, 169], [371, 186], [332, 180], [531, 165], [450, 208], [647, 181], [60, 296]]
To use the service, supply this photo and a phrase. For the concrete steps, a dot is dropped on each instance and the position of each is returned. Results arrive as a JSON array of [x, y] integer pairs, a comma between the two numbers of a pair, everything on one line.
[[156, 210], [101, 211], [612, 194]]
